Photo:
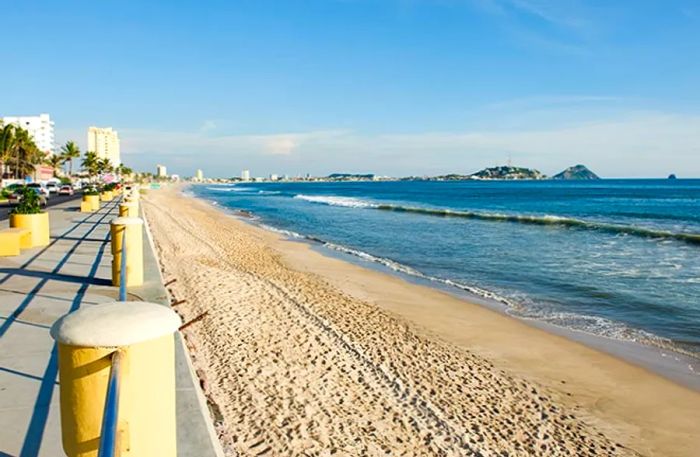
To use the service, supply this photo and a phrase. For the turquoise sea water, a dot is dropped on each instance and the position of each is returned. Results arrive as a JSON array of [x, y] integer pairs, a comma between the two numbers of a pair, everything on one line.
[[614, 258]]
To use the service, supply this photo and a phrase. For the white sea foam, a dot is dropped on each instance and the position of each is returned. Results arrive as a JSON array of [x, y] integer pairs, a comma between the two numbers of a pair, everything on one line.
[[287, 233], [371, 258], [349, 202], [233, 189]]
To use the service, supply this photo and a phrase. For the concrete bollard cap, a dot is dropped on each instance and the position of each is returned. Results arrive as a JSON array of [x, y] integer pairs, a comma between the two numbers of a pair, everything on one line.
[[115, 324], [127, 221]]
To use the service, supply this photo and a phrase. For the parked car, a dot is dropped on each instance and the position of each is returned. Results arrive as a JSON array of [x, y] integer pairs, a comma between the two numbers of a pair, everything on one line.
[[52, 187], [16, 196], [42, 189], [65, 190], [77, 185]]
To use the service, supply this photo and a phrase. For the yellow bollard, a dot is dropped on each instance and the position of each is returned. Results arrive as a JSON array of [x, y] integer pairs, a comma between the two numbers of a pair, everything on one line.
[[106, 196], [93, 200], [143, 334], [128, 209], [134, 250], [132, 200]]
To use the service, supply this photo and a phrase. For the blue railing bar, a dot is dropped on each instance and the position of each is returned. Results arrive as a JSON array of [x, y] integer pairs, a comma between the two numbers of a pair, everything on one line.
[[122, 273], [110, 417]]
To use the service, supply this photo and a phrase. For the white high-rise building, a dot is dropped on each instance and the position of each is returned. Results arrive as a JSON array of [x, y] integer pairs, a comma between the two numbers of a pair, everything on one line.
[[199, 175], [245, 175], [161, 171], [105, 143], [39, 127]]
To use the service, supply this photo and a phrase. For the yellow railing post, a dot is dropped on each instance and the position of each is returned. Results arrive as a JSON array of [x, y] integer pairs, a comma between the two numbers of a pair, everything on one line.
[[128, 209], [143, 334], [134, 250]]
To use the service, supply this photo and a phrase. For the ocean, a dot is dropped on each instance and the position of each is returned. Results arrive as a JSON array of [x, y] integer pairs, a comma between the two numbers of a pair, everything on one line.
[[613, 258]]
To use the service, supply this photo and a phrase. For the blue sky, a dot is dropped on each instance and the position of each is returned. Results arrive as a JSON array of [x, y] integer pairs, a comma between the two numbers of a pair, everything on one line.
[[386, 86]]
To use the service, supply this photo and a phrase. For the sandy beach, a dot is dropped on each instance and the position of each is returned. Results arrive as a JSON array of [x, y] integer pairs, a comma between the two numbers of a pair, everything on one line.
[[303, 354]]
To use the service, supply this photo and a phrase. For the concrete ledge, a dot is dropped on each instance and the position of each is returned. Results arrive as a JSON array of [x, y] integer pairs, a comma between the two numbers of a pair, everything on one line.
[[196, 435]]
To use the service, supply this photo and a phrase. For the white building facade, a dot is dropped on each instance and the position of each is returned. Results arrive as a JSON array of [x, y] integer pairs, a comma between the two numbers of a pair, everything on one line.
[[245, 175], [199, 176], [41, 129], [161, 171], [105, 143]]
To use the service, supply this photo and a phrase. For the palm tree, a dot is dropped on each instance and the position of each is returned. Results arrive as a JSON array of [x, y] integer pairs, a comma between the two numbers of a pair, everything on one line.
[[89, 164], [6, 144], [123, 170], [25, 155], [70, 151], [104, 166], [55, 161], [18, 152]]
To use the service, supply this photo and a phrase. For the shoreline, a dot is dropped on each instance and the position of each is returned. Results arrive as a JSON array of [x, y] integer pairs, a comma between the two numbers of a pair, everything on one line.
[[670, 363], [642, 410], [666, 362]]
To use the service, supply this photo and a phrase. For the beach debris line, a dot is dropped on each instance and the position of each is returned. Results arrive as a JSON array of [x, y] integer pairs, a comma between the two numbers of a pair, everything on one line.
[[196, 319]]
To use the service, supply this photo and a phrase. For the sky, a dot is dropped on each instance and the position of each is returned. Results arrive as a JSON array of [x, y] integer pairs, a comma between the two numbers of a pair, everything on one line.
[[392, 87]]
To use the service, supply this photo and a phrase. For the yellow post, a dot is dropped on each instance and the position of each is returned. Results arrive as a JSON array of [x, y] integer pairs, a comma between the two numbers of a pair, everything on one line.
[[128, 209], [106, 196], [133, 226], [134, 194], [132, 199], [143, 334]]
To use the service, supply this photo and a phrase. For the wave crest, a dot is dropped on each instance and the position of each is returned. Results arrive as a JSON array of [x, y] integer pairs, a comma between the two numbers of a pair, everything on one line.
[[331, 200], [693, 238], [232, 189], [548, 220]]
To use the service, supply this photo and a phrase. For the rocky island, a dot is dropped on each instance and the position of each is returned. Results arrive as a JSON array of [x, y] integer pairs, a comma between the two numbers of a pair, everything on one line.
[[508, 173], [577, 172]]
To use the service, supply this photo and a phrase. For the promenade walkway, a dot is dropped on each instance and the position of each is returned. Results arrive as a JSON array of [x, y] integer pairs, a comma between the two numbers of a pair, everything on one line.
[[41, 285]]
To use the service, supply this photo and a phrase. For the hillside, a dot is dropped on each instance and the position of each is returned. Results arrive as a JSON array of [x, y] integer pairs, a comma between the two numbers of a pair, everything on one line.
[[507, 172], [577, 172]]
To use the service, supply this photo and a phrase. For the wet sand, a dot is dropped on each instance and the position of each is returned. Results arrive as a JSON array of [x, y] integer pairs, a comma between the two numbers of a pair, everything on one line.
[[303, 354]]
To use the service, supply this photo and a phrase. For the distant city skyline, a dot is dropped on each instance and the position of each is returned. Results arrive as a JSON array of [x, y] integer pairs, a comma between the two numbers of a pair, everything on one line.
[[388, 87]]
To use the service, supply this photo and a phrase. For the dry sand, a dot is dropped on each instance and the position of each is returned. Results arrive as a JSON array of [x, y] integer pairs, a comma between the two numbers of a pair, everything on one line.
[[302, 354]]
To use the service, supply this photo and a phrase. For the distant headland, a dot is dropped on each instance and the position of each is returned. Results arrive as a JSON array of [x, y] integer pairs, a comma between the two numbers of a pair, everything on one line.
[[510, 173], [498, 173]]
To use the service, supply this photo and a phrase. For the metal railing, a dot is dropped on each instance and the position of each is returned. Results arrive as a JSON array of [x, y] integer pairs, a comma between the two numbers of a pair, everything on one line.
[[122, 272], [110, 418], [110, 414]]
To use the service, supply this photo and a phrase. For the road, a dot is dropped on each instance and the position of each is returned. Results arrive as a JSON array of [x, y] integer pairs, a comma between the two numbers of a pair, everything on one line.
[[54, 200]]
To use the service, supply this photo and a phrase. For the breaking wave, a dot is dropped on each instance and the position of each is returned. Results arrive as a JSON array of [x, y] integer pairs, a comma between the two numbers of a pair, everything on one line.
[[233, 189], [544, 220], [349, 202]]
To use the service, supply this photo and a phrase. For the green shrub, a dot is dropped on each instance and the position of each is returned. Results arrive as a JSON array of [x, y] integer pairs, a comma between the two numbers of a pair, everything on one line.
[[91, 190], [28, 203]]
